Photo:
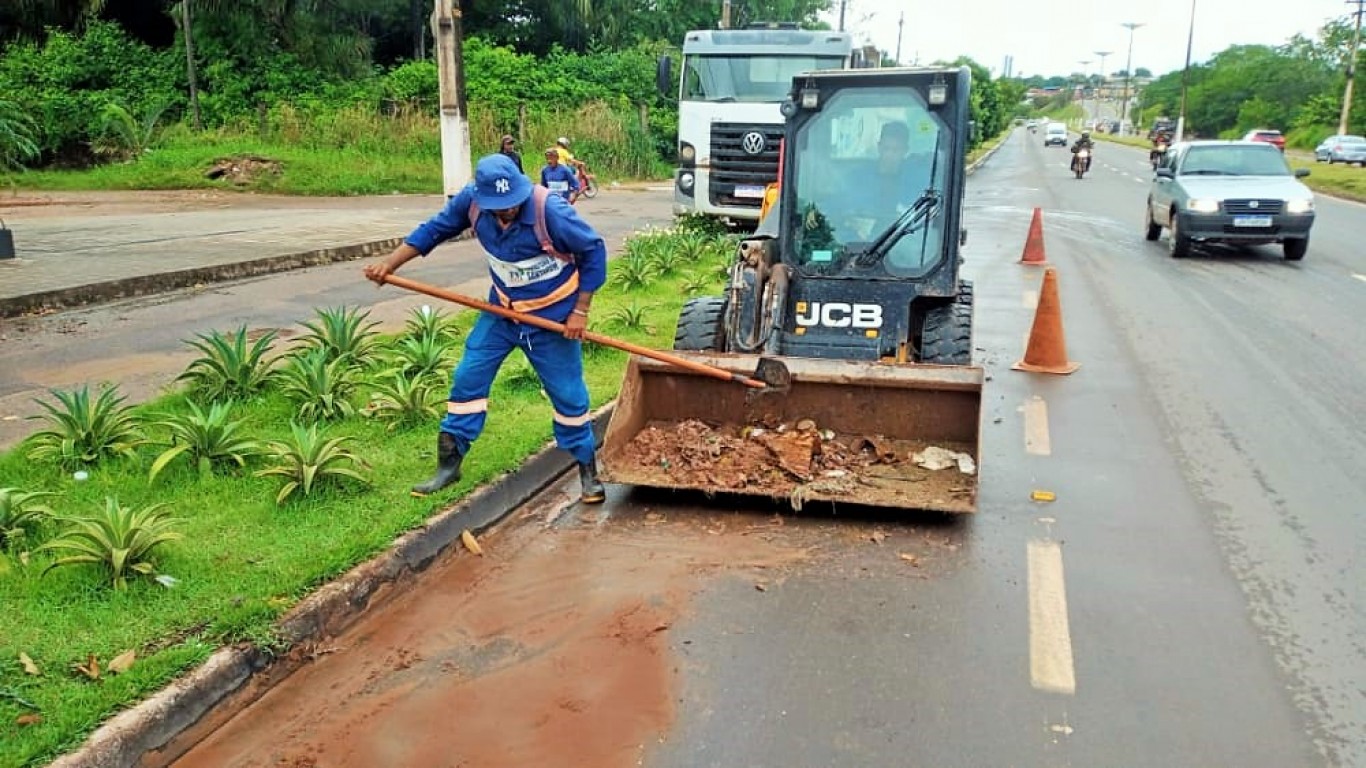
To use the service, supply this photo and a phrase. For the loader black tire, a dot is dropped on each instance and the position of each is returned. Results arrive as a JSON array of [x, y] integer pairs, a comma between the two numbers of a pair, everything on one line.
[[702, 325], [946, 336]]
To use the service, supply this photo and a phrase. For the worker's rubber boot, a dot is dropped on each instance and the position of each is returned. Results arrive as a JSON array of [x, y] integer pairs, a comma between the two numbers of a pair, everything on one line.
[[448, 460], [591, 488]]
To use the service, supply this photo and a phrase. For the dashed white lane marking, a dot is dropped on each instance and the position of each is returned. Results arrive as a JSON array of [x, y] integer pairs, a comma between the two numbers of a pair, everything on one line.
[[1050, 640], [1037, 441], [1030, 299], [1362, 278]]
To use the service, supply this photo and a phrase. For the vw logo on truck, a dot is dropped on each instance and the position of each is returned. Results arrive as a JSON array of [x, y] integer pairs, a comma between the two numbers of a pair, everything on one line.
[[752, 143]]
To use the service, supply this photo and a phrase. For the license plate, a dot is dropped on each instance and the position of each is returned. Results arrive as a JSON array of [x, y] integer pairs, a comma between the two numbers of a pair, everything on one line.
[[749, 190], [1251, 221]]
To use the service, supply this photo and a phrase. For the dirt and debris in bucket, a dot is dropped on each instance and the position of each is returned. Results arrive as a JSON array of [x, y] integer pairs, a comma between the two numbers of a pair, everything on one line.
[[798, 459]]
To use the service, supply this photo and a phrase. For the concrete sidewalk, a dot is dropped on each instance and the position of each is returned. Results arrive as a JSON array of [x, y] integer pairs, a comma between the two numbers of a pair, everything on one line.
[[79, 248]]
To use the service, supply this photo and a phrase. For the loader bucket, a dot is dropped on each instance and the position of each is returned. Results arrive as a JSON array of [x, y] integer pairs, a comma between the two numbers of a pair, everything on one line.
[[866, 433]]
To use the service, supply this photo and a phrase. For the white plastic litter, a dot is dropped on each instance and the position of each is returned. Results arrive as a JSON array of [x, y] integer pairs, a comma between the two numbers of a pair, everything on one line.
[[935, 458]]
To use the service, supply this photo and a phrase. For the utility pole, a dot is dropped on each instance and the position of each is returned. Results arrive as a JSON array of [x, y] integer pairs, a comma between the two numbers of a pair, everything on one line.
[[185, 23], [455, 127], [901, 23], [1128, 72], [842, 4], [1351, 67], [725, 14], [1185, 78]]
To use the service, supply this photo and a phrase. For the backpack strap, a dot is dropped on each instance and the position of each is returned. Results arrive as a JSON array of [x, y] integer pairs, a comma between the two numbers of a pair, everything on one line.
[[539, 195]]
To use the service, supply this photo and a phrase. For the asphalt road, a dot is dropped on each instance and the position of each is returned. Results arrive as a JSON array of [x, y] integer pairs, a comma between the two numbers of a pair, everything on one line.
[[1192, 597]]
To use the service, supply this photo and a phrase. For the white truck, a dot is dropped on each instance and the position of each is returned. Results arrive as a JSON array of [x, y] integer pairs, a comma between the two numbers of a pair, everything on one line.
[[729, 126]]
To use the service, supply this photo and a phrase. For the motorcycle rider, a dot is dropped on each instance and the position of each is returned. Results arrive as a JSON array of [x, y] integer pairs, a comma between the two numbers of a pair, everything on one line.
[[1161, 140], [1084, 143]]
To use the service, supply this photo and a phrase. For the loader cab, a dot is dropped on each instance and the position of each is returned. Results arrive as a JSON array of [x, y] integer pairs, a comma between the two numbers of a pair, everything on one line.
[[870, 208]]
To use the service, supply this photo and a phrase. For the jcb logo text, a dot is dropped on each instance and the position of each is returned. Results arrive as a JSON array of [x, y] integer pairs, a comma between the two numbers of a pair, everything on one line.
[[839, 315]]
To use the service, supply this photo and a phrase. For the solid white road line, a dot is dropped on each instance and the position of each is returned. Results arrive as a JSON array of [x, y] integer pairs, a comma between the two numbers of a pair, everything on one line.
[[1036, 438], [1362, 278], [1050, 640], [1030, 299]]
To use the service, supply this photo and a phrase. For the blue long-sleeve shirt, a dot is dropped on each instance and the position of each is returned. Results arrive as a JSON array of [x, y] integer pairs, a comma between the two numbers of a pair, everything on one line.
[[560, 179], [524, 276]]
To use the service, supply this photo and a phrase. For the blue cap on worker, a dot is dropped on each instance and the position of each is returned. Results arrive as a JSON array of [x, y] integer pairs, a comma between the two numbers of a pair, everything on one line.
[[498, 184]]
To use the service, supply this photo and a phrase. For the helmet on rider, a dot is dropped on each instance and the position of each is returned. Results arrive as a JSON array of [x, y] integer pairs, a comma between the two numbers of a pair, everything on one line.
[[562, 141], [1086, 134]]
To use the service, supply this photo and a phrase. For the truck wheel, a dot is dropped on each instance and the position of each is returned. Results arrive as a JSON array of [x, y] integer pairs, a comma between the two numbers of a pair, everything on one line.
[[702, 325], [946, 336], [1295, 249]]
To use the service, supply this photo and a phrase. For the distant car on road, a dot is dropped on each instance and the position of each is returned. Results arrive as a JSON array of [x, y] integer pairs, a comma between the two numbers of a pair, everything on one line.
[[1342, 149], [1055, 133], [1266, 135], [1229, 192]]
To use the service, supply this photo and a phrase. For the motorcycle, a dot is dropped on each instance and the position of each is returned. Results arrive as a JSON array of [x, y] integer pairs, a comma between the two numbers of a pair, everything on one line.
[[1158, 152], [1081, 162], [588, 183]]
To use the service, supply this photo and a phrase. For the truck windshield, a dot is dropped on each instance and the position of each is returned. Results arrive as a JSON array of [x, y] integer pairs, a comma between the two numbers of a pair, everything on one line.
[[870, 158], [747, 78]]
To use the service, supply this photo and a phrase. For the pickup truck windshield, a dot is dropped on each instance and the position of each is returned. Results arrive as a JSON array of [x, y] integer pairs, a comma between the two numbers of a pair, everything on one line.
[[747, 78]]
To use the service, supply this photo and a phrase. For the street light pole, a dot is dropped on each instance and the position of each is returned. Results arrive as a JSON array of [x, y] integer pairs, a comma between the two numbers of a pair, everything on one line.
[[1351, 68], [1185, 78], [455, 127], [1128, 73]]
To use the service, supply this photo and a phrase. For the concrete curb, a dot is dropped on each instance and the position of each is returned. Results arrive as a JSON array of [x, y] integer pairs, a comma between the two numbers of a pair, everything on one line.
[[144, 285], [163, 727]]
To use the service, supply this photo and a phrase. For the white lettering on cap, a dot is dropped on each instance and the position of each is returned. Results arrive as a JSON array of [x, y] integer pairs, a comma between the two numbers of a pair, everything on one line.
[[502, 185]]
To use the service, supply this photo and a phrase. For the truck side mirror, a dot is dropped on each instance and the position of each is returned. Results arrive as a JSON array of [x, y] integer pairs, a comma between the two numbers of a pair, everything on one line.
[[664, 76]]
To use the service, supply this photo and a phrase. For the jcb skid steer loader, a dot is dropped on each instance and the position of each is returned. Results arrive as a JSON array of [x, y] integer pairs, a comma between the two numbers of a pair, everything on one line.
[[851, 282]]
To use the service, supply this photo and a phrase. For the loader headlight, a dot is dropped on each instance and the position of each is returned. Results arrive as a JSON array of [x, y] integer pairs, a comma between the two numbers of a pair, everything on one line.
[[1299, 206], [1200, 205]]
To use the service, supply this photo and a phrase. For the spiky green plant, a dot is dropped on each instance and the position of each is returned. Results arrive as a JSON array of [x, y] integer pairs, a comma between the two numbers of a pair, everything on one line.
[[120, 540], [17, 132], [402, 399], [633, 272], [19, 514], [667, 259], [344, 333], [693, 247], [205, 438], [230, 367], [320, 384], [85, 430], [421, 356], [695, 283], [123, 136], [308, 459], [427, 323], [630, 317]]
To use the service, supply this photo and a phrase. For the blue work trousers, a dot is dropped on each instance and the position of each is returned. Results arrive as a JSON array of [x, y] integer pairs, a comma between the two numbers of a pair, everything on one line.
[[557, 361]]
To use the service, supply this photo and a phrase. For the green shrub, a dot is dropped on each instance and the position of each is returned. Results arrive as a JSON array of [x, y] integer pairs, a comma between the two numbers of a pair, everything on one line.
[[319, 385], [308, 459], [229, 368], [19, 514], [120, 540], [402, 399], [344, 334], [84, 431], [204, 438]]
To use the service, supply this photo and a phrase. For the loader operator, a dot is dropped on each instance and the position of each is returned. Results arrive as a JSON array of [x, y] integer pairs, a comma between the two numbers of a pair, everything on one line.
[[544, 260], [882, 187]]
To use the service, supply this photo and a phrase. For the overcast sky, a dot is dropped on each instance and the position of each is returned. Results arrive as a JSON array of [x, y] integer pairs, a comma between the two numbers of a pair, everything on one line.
[[1051, 37]]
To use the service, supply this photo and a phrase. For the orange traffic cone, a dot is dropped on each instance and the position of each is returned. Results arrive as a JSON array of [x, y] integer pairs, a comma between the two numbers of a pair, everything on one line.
[[1047, 349], [1033, 250]]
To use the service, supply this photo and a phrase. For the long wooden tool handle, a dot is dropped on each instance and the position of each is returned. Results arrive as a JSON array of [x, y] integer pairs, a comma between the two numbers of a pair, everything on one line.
[[551, 325]]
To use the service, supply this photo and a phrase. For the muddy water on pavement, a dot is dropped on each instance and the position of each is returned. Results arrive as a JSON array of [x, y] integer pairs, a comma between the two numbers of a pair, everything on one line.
[[555, 643]]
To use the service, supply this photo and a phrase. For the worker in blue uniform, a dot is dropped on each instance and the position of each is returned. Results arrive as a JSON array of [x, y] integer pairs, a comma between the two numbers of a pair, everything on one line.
[[544, 260]]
